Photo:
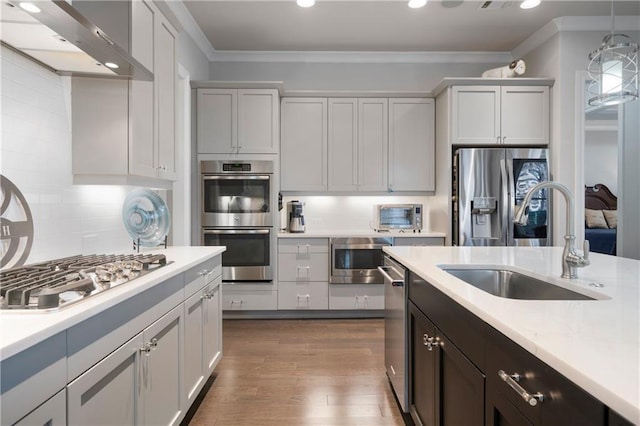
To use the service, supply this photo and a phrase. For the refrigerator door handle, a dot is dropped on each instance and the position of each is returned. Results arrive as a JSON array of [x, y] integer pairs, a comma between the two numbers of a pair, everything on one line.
[[505, 210], [511, 205]]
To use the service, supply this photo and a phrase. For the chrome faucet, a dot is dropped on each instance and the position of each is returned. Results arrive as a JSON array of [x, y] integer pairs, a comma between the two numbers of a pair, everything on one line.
[[571, 259]]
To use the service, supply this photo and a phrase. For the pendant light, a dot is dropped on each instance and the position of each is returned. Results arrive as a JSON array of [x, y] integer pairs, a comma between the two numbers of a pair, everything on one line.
[[613, 70]]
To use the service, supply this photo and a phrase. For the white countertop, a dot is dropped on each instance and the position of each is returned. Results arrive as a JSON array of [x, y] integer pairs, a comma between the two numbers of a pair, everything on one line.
[[594, 343], [22, 329], [360, 233]]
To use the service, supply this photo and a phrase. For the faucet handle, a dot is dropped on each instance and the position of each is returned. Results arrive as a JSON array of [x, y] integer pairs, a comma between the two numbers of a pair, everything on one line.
[[585, 249]]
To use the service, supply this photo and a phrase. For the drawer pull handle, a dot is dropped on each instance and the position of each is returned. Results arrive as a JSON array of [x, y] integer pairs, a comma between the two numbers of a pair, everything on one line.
[[204, 272], [512, 380]]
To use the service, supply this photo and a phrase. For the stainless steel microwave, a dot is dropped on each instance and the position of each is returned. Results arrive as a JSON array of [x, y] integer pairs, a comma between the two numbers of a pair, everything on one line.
[[398, 216]]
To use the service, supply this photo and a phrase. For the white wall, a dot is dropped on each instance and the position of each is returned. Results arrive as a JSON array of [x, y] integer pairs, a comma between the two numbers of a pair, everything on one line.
[[36, 157], [347, 213], [629, 201], [422, 77], [563, 57], [601, 159]]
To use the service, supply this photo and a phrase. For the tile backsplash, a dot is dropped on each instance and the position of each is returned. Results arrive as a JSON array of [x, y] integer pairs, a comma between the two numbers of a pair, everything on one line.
[[35, 120]]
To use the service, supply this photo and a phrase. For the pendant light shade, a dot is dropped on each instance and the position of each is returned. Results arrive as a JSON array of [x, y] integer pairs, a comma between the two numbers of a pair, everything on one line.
[[613, 70]]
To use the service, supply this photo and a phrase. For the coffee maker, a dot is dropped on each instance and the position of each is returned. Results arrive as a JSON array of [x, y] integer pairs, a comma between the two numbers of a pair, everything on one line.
[[295, 218]]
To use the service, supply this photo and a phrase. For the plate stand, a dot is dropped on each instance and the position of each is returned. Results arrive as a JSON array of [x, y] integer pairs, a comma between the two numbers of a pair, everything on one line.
[[136, 244]]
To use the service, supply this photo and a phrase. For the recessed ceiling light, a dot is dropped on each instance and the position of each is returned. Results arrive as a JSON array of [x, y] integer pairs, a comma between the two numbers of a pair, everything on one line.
[[305, 3], [111, 65], [529, 4], [29, 7], [415, 4]]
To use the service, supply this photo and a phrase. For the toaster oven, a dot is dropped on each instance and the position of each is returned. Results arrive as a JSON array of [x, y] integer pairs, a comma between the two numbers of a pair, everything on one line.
[[390, 217]]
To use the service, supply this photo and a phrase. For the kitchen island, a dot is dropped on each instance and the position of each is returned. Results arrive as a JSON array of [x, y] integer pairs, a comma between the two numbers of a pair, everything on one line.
[[593, 343], [95, 358]]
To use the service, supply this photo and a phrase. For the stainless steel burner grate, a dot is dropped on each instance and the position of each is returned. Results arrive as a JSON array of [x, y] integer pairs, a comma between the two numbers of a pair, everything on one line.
[[59, 282]]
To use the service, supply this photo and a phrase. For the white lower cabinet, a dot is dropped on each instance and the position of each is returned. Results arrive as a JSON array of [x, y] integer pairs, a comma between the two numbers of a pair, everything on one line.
[[111, 391], [51, 413], [162, 369], [249, 300], [212, 326], [139, 383], [356, 296], [303, 295], [303, 273], [202, 337]]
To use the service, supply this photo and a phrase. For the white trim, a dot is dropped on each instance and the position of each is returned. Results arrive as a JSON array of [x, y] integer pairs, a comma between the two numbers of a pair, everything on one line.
[[574, 23], [191, 27], [597, 23], [581, 78], [536, 40], [361, 57], [182, 187]]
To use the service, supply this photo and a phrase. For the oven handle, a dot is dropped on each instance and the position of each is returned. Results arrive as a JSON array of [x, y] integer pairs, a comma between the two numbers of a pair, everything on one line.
[[359, 246], [236, 177], [235, 231]]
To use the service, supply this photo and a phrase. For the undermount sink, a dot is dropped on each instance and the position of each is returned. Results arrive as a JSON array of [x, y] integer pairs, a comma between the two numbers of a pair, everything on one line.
[[513, 285]]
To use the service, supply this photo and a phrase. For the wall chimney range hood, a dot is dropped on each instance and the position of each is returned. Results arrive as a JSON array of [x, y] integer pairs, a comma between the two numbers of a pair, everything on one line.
[[58, 36]]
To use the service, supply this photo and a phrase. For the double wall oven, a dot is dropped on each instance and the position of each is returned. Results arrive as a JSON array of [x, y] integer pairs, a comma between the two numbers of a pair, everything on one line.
[[236, 212]]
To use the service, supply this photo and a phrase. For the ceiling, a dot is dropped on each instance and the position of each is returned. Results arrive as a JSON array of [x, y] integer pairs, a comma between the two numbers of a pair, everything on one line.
[[378, 26]]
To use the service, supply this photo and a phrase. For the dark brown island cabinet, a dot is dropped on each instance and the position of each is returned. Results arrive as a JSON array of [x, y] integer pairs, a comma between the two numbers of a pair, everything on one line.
[[462, 371]]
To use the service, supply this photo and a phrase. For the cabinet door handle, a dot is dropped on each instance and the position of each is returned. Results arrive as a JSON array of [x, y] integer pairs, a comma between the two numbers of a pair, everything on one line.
[[239, 302], [146, 349], [430, 342], [512, 380]]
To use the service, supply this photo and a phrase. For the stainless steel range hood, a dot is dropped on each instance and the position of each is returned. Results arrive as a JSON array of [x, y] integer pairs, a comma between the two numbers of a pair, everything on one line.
[[63, 39]]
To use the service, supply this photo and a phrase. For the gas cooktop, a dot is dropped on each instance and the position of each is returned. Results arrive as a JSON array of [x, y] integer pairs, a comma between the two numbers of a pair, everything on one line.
[[58, 283]]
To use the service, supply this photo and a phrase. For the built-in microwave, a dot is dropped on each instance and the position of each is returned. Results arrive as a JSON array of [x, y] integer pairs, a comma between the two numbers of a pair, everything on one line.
[[398, 216]]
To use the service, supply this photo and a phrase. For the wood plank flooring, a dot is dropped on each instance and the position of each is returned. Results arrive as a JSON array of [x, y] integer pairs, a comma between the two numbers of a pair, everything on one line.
[[300, 372]]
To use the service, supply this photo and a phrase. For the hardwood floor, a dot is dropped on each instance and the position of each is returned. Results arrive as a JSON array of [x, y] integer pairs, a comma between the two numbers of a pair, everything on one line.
[[300, 372]]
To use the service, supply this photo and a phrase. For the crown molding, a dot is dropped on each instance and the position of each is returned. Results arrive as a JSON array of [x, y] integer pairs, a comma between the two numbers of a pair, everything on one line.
[[189, 24], [574, 23], [362, 57]]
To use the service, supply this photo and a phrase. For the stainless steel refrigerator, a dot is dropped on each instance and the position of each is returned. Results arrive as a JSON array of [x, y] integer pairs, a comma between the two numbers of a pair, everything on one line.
[[488, 185]]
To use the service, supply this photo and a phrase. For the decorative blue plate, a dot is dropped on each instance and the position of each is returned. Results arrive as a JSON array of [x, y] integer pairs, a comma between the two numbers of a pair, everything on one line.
[[146, 217]]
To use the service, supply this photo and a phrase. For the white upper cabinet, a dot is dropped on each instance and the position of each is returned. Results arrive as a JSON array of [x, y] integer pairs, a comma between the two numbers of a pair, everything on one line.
[[373, 144], [366, 144], [358, 143], [524, 115], [129, 135], [411, 144], [303, 159], [237, 121], [514, 115], [166, 66], [343, 144]]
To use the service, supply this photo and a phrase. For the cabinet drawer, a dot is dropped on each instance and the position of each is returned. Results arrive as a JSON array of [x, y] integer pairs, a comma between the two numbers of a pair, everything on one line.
[[201, 275], [418, 241], [304, 296], [314, 268], [303, 246], [563, 403], [249, 301], [356, 296]]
